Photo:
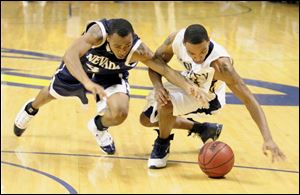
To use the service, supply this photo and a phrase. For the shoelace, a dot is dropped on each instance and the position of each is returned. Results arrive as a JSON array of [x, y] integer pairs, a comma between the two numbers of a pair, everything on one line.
[[23, 120]]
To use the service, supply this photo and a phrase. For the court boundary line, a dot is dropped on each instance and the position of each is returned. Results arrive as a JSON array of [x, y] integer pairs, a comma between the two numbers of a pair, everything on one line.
[[67, 186], [138, 158]]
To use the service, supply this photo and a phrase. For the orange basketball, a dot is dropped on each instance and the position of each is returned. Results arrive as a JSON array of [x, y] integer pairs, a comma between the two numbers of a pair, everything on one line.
[[216, 159]]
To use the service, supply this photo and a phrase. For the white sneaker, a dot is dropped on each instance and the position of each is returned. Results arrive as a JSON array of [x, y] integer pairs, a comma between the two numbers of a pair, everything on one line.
[[157, 163], [103, 138], [22, 120]]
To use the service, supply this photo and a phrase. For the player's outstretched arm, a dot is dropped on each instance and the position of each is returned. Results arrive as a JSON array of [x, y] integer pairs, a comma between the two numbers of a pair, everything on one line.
[[78, 48], [165, 52], [225, 71], [146, 56]]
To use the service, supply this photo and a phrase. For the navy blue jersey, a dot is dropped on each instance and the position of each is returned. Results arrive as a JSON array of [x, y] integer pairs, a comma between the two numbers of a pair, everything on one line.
[[101, 60]]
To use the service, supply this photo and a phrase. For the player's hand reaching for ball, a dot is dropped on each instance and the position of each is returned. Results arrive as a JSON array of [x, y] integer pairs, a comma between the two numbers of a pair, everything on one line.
[[277, 154], [200, 95]]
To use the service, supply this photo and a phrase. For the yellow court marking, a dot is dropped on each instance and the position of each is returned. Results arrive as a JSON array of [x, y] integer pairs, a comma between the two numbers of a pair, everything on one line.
[[133, 91], [24, 80], [142, 92], [44, 82]]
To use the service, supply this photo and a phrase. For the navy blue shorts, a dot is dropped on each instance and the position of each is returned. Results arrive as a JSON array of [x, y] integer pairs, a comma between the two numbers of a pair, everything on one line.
[[65, 85]]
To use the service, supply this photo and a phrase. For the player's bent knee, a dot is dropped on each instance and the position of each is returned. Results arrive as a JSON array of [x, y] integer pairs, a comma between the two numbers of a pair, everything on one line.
[[120, 115]]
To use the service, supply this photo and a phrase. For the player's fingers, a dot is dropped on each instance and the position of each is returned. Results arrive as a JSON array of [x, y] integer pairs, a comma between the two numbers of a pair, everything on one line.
[[282, 156], [160, 101], [274, 154], [206, 97], [157, 98], [199, 97], [278, 157], [265, 151], [203, 100], [206, 105], [192, 92], [209, 96], [273, 158], [163, 98], [166, 95], [101, 93], [94, 94], [164, 92]]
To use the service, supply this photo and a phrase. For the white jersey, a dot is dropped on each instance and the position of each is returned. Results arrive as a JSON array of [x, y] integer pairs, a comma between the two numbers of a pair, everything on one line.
[[200, 74]]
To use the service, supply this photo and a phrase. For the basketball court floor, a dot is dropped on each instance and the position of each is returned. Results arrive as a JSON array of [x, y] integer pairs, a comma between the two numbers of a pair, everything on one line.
[[57, 153]]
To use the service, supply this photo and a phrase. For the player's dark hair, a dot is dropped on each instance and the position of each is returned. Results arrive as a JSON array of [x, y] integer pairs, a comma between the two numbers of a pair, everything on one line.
[[195, 34], [120, 26]]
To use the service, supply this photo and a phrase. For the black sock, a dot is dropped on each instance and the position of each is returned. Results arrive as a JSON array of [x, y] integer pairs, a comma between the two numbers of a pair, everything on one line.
[[99, 124], [166, 140], [162, 141], [30, 110]]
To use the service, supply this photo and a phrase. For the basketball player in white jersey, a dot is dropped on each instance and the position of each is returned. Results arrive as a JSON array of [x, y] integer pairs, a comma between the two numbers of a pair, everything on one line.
[[208, 65], [98, 62]]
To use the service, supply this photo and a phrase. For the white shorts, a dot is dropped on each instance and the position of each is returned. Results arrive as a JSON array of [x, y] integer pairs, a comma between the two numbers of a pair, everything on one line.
[[184, 104]]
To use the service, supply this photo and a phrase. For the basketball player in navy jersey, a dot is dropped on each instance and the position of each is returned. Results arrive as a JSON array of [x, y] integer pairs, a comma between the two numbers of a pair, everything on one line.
[[210, 67], [99, 62]]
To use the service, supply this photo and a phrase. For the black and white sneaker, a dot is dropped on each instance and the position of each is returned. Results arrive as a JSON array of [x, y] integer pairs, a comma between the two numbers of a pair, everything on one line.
[[103, 138], [206, 130], [160, 153], [24, 117]]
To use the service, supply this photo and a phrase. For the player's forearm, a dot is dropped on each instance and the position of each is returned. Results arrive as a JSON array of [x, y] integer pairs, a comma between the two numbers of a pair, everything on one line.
[[176, 78], [155, 78], [74, 65], [258, 116]]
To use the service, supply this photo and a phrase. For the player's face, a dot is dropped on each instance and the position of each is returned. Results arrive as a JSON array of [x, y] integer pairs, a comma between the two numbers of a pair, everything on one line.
[[120, 46], [197, 51]]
